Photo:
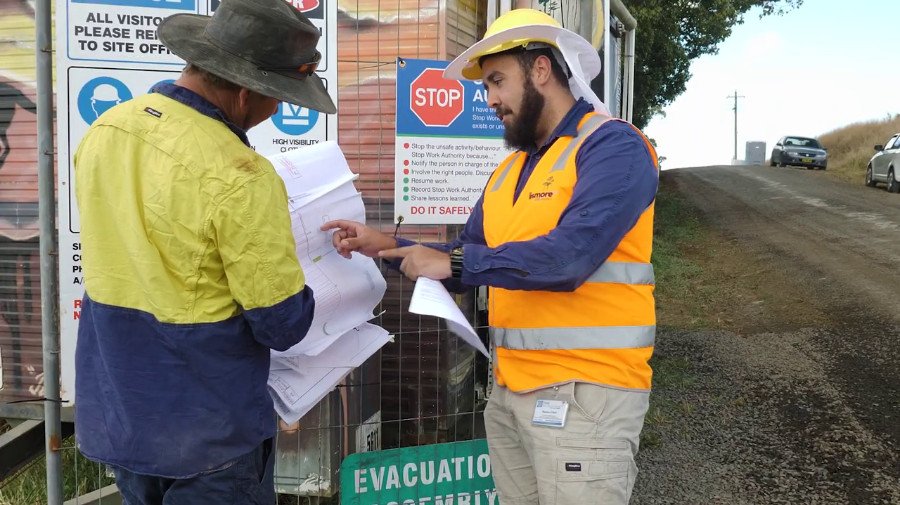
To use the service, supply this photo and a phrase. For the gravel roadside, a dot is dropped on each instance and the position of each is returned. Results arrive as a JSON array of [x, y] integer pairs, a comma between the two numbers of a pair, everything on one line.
[[786, 388], [760, 423]]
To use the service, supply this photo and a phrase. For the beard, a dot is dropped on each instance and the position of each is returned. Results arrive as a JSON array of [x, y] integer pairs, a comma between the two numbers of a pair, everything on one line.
[[522, 133]]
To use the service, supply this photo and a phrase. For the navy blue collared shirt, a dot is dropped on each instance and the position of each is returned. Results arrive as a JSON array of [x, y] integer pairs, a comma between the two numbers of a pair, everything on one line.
[[200, 104], [617, 181]]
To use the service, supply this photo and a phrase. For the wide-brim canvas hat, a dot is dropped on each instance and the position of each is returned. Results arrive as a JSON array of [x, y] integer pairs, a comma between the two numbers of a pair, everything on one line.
[[267, 46], [523, 28]]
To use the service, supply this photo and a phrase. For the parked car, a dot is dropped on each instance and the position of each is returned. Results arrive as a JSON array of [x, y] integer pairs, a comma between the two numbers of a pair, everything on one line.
[[799, 151], [882, 166]]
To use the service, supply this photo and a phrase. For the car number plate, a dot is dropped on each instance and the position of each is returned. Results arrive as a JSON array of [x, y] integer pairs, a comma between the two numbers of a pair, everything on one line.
[[807, 160]]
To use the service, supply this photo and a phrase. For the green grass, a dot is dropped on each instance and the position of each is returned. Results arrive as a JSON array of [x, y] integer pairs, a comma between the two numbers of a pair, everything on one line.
[[675, 227], [29, 487], [680, 293], [678, 229]]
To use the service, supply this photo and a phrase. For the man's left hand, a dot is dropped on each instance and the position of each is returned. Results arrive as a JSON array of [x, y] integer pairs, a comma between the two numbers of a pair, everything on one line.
[[421, 261]]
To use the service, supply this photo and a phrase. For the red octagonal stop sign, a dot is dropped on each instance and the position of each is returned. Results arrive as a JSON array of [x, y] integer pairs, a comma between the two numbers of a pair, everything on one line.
[[434, 100]]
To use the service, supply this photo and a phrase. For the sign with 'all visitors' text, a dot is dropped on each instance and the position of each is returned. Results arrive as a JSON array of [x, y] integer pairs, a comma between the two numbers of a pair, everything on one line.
[[448, 143], [109, 52], [457, 473]]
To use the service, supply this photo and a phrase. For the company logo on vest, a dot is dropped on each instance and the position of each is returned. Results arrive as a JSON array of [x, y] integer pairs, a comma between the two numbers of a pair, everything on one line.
[[544, 195]]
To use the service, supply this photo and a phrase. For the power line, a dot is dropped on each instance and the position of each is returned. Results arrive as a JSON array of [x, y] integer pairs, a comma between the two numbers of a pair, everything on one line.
[[735, 97]]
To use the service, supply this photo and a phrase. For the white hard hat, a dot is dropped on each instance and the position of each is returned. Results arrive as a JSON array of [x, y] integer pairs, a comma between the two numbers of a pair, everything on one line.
[[106, 93]]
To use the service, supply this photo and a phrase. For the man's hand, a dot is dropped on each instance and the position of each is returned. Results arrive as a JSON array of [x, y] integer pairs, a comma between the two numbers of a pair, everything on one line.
[[355, 237], [421, 261]]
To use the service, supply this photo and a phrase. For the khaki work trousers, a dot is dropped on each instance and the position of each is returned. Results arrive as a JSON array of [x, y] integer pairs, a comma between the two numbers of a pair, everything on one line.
[[588, 461]]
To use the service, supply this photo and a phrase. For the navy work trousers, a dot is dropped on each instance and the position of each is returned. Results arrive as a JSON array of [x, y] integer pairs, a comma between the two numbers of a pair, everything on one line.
[[249, 481]]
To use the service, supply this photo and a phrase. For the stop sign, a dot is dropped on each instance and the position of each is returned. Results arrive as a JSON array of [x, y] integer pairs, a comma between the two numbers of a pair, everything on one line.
[[434, 100]]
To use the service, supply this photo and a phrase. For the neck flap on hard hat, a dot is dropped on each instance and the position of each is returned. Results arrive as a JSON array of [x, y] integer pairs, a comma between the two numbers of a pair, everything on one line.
[[584, 65]]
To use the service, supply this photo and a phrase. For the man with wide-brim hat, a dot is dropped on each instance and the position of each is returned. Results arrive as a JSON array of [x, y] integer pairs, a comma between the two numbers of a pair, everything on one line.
[[562, 236], [190, 272]]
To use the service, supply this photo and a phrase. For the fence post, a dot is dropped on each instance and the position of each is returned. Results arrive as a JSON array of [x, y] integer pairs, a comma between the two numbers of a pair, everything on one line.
[[47, 215]]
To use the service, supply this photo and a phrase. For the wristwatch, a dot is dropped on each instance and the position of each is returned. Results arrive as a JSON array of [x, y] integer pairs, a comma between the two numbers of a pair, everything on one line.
[[456, 262]]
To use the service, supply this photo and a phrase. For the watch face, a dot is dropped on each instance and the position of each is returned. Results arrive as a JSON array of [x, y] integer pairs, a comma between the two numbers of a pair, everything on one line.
[[457, 250]]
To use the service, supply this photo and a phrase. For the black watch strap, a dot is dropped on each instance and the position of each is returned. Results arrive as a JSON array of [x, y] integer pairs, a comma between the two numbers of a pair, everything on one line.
[[456, 262]]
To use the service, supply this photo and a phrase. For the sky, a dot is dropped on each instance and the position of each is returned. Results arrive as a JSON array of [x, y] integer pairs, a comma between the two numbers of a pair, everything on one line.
[[805, 73]]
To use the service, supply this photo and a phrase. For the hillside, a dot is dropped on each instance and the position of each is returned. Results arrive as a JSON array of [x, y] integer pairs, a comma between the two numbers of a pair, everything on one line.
[[851, 147]]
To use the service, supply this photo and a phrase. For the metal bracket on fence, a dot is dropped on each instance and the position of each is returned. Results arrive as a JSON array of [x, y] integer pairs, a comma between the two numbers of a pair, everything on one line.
[[32, 400], [108, 495], [482, 297]]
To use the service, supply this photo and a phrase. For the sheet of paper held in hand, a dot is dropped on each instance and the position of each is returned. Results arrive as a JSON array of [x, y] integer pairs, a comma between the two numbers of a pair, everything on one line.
[[298, 383], [431, 298]]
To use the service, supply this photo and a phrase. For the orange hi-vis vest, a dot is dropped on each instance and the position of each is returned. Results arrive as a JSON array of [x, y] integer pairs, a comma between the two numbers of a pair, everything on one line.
[[601, 333]]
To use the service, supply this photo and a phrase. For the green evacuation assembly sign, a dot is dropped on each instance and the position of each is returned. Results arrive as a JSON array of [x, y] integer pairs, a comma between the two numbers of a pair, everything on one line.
[[457, 473]]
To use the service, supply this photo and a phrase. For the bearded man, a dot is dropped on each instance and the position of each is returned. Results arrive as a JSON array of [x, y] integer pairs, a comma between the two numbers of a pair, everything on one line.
[[562, 236]]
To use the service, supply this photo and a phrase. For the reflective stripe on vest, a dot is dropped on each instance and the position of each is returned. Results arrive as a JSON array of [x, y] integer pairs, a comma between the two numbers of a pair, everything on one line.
[[586, 129], [504, 171], [597, 337], [624, 273]]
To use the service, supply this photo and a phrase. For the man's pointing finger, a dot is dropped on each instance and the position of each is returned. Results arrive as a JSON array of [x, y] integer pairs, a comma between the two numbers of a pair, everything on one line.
[[339, 223]]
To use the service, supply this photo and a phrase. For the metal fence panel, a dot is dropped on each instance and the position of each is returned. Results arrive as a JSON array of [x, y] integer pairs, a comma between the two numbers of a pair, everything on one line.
[[21, 373]]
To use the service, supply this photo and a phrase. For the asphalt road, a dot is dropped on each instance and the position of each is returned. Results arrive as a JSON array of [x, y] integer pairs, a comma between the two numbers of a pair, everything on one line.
[[791, 413]]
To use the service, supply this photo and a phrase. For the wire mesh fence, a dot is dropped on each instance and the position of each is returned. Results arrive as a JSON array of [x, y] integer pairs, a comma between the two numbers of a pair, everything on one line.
[[426, 387]]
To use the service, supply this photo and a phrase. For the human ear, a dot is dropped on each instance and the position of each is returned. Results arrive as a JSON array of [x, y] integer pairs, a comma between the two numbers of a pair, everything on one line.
[[541, 71], [244, 98]]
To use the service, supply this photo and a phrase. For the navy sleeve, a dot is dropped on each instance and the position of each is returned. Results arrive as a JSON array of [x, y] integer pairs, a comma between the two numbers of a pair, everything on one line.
[[473, 233], [617, 181]]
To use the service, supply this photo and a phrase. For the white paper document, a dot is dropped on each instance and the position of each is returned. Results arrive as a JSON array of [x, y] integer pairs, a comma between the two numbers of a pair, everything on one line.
[[431, 298], [346, 290], [320, 189], [298, 383], [312, 171]]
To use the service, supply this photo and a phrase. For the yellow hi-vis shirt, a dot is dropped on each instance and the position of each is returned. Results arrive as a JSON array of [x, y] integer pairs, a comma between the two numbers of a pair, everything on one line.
[[191, 278]]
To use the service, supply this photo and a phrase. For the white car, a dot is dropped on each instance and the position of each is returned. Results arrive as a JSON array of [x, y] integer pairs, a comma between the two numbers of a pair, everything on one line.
[[883, 167]]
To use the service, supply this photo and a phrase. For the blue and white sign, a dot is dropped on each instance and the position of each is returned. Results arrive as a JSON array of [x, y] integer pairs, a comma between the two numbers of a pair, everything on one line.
[[99, 95], [295, 120], [121, 31], [428, 105], [448, 142], [186, 5], [293, 127]]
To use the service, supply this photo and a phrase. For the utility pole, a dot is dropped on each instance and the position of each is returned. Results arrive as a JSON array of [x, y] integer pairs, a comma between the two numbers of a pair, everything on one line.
[[735, 97]]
